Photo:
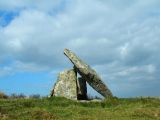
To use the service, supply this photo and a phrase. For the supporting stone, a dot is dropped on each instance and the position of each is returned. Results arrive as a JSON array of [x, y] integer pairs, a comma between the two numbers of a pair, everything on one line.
[[81, 89], [65, 85]]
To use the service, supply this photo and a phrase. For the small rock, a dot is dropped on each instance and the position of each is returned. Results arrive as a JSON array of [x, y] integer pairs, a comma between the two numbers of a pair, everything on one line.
[[96, 100]]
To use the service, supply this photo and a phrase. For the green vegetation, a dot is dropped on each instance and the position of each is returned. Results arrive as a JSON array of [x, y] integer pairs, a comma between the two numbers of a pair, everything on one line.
[[64, 109]]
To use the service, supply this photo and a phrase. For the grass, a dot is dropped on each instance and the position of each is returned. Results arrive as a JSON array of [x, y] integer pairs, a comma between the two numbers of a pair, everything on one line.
[[64, 109]]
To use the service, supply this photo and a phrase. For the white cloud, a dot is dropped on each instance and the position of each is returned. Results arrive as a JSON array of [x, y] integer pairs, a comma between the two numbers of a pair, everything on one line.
[[151, 68], [124, 50], [28, 67], [8, 5], [54, 73], [6, 71]]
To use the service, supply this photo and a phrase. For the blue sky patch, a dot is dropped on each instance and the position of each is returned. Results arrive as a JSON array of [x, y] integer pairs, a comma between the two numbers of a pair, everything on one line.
[[6, 17]]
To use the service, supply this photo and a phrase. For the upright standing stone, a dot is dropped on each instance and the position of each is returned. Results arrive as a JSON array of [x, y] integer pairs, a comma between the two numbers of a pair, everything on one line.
[[65, 85], [81, 89], [88, 74]]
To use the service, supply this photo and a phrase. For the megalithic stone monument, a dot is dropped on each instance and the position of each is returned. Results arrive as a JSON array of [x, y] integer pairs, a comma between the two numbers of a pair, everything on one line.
[[88, 74], [69, 86]]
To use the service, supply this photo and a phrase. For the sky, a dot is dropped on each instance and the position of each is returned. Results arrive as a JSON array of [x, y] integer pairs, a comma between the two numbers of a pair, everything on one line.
[[119, 39]]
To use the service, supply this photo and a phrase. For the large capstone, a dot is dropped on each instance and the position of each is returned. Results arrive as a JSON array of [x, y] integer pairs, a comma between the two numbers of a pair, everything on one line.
[[66, 85], [88, 74]]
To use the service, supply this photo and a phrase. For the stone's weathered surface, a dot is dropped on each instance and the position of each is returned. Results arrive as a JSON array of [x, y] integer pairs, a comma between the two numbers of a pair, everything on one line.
[[65, 85], [88, 74], [81, 89]]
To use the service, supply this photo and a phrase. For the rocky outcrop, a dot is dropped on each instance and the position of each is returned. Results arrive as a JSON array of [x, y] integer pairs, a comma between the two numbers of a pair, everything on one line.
[[88, 74], [66, 85]]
